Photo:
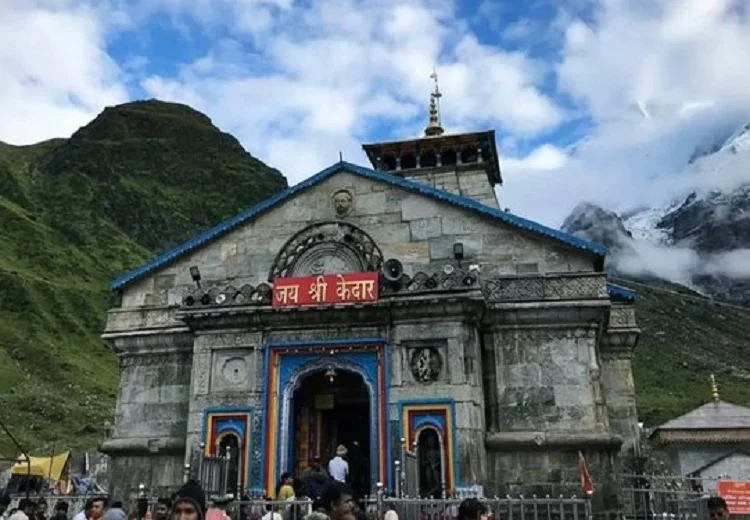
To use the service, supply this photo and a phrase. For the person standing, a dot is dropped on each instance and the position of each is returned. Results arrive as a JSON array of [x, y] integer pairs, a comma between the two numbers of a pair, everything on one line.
[[25, 511], [315, 479], [338, 468]]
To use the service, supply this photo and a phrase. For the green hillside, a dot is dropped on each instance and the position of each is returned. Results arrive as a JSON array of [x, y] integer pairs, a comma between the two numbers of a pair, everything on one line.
[[684, 339], [75, 213]]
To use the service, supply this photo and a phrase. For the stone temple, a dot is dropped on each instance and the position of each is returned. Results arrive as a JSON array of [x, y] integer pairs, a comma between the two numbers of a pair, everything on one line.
[[398, 307]]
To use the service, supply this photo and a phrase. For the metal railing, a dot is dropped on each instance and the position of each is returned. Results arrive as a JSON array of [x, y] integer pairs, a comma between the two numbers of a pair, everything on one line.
[[650, 497], [213, 472], [508, 508]]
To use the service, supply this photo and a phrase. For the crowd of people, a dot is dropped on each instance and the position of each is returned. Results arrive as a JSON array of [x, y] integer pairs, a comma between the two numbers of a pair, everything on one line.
[[336, 501]]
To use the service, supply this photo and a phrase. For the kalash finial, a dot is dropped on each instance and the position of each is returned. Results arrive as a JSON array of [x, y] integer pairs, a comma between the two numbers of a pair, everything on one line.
[[433, 126], [714, 389]]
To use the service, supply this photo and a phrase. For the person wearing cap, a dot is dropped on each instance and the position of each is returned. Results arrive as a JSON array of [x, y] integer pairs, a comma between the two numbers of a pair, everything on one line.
[[473, 509], [189, 503], [338, 468]]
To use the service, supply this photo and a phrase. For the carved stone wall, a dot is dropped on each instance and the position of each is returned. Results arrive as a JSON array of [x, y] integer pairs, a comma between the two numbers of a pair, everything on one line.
[[546, 378], [417, 230], [150, 421], [227, 372], [153, 396], [454, 340]]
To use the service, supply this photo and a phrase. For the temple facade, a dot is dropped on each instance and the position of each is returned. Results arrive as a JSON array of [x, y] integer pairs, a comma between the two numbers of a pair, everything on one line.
[[396, 310]]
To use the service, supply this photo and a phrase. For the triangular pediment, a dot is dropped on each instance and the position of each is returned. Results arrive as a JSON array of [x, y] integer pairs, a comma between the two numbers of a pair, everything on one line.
[[421, 192]]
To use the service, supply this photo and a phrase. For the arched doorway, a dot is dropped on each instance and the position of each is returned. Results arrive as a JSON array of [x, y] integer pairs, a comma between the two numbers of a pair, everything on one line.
[[430, 463], [232, 442], [331, 407]]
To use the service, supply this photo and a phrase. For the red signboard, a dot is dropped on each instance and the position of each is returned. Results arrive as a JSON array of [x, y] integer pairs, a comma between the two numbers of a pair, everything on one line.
[[736, 494], [325, 289]]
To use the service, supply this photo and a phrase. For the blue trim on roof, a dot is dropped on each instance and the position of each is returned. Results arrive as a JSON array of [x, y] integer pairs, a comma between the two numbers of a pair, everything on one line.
[[620, 293], [393, 180]]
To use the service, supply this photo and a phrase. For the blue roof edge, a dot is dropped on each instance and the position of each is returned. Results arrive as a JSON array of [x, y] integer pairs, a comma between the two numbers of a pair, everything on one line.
[[423, 189], [620, 293]]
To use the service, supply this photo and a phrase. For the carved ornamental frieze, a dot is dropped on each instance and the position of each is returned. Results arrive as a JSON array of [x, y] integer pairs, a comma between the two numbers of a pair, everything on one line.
[[327, 248], [536, 288]]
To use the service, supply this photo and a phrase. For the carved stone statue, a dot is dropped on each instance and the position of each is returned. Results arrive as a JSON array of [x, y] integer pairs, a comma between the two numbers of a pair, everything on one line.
[[426, 365], [343, 202]]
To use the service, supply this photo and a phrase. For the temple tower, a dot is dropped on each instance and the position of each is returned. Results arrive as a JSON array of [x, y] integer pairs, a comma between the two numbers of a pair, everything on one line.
[[464, 164]]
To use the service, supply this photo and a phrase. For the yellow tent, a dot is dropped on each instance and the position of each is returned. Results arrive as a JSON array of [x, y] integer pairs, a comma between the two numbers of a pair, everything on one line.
[[49, 468]]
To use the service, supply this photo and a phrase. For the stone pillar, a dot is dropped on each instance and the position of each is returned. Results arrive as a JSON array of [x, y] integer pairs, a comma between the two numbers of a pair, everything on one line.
[[618, 343]]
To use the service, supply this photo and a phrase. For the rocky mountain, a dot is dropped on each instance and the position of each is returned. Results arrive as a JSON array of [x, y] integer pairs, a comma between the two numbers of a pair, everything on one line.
[[704, 233], [76, 212]]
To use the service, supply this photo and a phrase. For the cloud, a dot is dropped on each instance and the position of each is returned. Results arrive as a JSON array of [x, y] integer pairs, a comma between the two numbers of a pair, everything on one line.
[[653, 81], [339, 69], [55, 73], [646, 83]]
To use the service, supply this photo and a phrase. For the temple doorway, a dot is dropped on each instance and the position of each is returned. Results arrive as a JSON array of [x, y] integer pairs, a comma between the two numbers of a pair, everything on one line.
[[430, 463], [332, 408], [231, 442]]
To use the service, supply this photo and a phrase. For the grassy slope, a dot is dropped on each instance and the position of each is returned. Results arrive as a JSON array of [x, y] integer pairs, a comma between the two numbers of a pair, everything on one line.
[[684, 340], [75, 213]]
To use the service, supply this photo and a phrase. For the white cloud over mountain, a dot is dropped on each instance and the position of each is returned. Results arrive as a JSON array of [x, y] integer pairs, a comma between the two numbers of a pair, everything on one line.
[[299, 82]]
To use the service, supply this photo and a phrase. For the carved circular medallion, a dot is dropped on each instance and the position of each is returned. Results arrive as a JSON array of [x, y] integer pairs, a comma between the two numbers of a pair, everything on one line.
[[327, 258], [426, 364], [325, 248], [234, 370], [343, 202]]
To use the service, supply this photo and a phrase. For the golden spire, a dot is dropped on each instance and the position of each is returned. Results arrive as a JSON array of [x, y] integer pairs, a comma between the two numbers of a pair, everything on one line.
[[714, 389], [433, 126]]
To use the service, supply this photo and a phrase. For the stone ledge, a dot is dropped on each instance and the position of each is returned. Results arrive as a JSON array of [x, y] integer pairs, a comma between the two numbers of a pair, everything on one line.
[[499, 441], [143, 446]]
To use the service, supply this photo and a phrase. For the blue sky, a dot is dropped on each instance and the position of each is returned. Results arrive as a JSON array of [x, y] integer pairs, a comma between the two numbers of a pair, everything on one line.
[[599, 100]]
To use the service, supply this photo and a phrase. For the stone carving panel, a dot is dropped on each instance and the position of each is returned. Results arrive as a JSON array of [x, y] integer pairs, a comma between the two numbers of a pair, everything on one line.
[[426, 364], [622, 317], [234, 371], [135, 360], [530, 288], [324, 247], [343, 202]]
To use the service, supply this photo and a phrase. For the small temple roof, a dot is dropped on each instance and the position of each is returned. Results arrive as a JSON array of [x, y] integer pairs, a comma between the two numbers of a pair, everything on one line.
[[711, 416]]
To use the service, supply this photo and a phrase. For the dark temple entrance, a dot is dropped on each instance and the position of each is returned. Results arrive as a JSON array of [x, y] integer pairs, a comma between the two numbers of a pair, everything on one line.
[[430, 463], [231, 442], [332, 408]]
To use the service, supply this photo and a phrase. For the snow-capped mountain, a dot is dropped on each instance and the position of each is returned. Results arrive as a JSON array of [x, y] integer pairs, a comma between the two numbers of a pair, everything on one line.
[[701, 239]]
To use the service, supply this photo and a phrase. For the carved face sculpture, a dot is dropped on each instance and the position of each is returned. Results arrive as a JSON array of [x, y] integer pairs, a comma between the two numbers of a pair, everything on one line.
[[342, 202]]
